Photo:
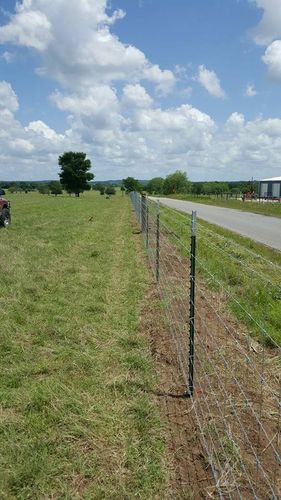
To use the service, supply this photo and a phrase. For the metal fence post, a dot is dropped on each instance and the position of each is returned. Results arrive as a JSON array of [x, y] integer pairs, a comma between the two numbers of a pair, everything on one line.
[[192, 305], [143, 213], [158, 243], [139, 207], [147, 224]]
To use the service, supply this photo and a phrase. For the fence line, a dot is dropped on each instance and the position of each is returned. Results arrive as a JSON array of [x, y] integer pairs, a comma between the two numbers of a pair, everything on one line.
[[233, 379]]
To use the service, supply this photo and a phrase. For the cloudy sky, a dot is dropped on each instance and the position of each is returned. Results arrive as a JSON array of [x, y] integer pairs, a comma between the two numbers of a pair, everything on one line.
[[144, 87]]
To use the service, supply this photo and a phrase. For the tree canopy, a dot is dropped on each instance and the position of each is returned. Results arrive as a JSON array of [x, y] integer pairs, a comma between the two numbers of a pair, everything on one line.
[[131, 184], [75, 172], [44, 188], [215, 187], [155, 185], [55, 187], [177, 182], [110, 190]]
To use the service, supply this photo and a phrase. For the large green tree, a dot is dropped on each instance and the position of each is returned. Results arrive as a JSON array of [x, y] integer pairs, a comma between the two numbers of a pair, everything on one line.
[[215, 187], [131, 184], [155, 185], [197, 188], [75, 172], [110, 190], [43, 188], [55, 187], [177, 182]]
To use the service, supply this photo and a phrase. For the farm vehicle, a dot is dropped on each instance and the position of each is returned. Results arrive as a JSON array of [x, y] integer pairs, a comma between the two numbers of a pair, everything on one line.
[[5, 212]]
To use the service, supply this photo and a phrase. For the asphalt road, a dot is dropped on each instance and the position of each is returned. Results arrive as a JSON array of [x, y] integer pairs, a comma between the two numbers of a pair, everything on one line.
[[261, 228]]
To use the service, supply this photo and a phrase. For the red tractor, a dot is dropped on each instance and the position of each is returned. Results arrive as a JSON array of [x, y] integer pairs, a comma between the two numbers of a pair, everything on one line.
[[5, 212]]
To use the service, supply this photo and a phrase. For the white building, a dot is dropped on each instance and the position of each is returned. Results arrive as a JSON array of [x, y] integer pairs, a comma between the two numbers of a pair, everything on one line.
[[270, 188]]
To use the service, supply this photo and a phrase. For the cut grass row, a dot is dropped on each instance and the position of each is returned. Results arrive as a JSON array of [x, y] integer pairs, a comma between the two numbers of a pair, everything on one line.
[[77, 419], [263, 208]]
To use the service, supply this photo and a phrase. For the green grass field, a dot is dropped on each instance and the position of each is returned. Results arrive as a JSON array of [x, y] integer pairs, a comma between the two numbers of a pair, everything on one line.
[[271, 209], [77, 417]]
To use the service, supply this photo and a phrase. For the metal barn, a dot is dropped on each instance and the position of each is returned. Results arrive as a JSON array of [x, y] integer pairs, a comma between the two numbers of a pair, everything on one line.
[[270, 188]]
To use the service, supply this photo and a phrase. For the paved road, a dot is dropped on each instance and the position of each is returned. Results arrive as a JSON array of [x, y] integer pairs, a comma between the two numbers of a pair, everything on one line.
[[261, 228]]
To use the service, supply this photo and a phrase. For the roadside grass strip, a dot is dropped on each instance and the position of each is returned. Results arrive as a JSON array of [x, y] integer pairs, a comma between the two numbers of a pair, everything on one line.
[[245, 274], [258, 207]]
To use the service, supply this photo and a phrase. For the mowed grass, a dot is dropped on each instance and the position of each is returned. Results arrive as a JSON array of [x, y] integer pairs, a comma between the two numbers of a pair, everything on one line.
[[263, 208], [77, 418]]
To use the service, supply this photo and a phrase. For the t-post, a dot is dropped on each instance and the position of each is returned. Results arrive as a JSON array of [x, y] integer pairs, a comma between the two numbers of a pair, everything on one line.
[[192, 305]]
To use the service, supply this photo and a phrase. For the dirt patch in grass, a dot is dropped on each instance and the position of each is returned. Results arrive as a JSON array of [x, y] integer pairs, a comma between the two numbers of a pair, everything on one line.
[[190, 474], [239, 381]]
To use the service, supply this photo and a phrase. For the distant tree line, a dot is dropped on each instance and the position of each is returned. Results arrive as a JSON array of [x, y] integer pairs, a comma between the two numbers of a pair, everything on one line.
[[75, 177], [104, 188], [50, 187], [179, 183], [19, 187], [218, 188], [44, 187]]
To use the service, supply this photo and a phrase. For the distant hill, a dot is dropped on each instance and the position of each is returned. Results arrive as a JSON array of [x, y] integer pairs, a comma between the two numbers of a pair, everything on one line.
[[115, 182]]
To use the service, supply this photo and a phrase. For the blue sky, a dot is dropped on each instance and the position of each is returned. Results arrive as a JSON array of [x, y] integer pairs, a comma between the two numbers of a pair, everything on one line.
[[145, 87], [194, 32]]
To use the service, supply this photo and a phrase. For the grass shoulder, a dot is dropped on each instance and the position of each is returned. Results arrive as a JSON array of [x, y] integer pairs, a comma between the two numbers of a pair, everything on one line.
[[254, 206], [246, 274]]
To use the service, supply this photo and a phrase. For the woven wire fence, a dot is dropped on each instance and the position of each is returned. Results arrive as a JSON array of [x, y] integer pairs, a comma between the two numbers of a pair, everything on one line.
[[232, 367]]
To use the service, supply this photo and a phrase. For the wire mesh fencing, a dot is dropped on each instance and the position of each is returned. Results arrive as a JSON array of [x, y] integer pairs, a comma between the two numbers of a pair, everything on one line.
[[222, 304]]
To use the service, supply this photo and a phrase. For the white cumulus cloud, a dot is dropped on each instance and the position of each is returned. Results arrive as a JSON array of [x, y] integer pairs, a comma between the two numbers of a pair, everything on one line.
[[250, 91], [29, 28], [210, 81], [111, 115], [96, 101], [272, 58], [269, 28], [21, 146], [26, 152], [8, 98], [136, 96], [236, 119], [136, 137], [7, 56], [77, 46], [268, 33]]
